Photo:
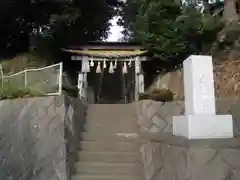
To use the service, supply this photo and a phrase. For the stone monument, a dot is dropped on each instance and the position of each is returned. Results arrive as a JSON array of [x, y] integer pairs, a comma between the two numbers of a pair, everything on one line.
[[200, 120]]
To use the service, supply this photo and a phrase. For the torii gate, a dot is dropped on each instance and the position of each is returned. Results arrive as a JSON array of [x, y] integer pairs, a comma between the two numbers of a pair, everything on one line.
[[111, 53]]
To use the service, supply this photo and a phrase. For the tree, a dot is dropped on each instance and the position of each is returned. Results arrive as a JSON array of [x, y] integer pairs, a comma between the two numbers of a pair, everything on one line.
[[55, 23], [231, 10], [170, 30], [19, 18]]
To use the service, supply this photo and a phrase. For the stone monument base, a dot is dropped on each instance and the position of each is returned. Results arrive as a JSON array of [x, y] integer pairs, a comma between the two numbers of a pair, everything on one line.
[[203, 126]]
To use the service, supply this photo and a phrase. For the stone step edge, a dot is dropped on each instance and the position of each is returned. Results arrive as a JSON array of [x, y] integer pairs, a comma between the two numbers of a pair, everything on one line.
[[109, 152], [135, 141], [112, 164], [130, 146], [106, 177]]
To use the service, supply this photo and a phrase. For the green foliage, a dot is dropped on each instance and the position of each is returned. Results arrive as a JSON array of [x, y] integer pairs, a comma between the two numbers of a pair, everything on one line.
[[52, 23], [12, 91], [78, 22], [164, 95], [170, 30]]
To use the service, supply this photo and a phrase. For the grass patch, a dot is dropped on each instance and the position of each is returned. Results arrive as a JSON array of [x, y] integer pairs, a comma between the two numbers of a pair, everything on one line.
[[11, 91], [22, 62]]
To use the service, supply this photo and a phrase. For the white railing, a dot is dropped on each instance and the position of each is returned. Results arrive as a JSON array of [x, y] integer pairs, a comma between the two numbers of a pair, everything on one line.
[[47, 79]]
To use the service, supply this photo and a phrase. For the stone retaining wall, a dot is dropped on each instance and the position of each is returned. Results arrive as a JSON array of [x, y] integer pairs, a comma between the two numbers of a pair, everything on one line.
[[38, 137], [167, 157]]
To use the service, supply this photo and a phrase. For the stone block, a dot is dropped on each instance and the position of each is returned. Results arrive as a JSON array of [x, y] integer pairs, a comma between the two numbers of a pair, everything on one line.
[[203, 126], [193, 159], [199, 85], [215, 159], [231, 156], [33, 140]]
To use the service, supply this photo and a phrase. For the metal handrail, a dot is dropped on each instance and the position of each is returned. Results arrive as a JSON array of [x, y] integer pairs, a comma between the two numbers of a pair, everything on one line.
[[59, 80]]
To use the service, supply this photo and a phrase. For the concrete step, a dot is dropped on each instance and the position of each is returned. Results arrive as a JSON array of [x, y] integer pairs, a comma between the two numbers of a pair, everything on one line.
[[108, 118], [110, 146], [112, 120], [111, 111], [111, 127], [108, 136], [109, 168], [114, 107], [98, 115], [106, 177], [116, 157]]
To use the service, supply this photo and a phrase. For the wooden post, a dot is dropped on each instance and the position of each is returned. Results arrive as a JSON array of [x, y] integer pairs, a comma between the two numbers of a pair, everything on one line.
[[85, 85], [124, 90], [141, 83], [139, 79], [25, 78], [82, 79], [137, 71], [80, 85]]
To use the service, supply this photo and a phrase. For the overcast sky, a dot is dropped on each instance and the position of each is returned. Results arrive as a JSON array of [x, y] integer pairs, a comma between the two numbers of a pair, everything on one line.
[[115, 31]]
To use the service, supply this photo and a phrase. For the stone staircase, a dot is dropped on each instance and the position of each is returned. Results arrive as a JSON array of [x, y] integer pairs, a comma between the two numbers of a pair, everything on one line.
[[110, 147]]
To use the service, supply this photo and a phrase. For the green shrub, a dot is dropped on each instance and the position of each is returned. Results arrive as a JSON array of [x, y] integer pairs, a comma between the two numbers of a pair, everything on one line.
[[10, 91], [164, 95]]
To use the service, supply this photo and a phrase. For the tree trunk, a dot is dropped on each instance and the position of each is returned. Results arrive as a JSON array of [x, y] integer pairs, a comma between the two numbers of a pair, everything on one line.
[[230, 12], [206, 6]]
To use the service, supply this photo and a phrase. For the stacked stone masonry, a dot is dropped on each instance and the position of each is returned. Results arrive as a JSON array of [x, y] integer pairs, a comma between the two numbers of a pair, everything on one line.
[[167, 157], [38, 137]]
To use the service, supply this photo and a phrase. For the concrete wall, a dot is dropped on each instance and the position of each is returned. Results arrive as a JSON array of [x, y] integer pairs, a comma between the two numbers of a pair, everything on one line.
[[169, 157], [38, 137], [225, 81]]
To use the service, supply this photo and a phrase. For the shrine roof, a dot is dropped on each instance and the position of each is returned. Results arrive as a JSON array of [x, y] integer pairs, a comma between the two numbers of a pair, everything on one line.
[[108, 49], [108, 53], [99, 45]]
